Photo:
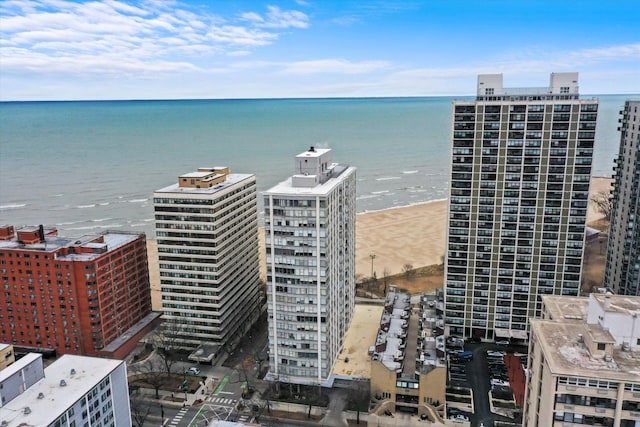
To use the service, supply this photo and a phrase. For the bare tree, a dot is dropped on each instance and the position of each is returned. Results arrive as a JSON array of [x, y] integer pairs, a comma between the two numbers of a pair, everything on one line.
[[165, 340], [139, 411], [603, 203], [409, 272], [150, 377]]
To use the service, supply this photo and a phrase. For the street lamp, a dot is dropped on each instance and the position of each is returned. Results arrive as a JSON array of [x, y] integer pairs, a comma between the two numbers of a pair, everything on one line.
[[372, 256]]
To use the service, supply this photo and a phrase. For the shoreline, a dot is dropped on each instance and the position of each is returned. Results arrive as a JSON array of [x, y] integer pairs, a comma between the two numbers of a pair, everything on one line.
[[414, 234]]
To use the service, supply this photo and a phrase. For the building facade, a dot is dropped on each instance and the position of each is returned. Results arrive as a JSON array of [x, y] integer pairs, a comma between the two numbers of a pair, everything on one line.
[[7, 355], [310, 245], [408, 360], [73, 391], [520, 177], [73, 295], [622, 273], [583, 364], [207, 231]]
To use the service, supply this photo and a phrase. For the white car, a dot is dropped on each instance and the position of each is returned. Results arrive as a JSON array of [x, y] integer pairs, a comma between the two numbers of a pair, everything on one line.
[[192, 371]]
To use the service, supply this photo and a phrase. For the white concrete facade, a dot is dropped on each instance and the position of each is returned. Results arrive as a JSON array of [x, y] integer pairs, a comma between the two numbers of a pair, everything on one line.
[[520, 176], [580, 371], [622, 273], [310, 245], [74, 391], [207, 231]]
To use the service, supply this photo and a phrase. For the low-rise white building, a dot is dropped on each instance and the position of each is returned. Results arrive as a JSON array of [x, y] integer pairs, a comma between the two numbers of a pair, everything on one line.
[[584, 363], [75, 391]]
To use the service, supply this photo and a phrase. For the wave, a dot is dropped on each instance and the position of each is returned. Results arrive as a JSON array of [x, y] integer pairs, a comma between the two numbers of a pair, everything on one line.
[[12, 206], [367, 196], [409, 172], [138, 200], [424, 202], [387, 178], [86, 206], [101, 219], [103, 203], [380, 192], [93, 227]]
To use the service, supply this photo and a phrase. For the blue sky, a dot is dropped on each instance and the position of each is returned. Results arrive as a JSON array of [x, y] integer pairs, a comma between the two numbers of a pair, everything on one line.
[[164, 49]]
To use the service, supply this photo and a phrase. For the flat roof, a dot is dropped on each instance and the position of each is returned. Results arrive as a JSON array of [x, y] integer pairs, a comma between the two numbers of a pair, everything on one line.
[[566, 308], [232, 179], [89, 371], [113, 240], [357, 341], [18, 365], [568, 356], [3, 346], [317, 152], [287, 188]]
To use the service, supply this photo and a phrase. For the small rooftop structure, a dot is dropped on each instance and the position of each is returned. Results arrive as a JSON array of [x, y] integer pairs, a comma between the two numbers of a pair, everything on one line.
[[206, 180], [597, 337], [84, 248], [561, 86]]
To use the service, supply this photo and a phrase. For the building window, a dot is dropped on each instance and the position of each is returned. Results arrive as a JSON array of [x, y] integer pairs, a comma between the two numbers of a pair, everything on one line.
[[488, 91], [600, 346]]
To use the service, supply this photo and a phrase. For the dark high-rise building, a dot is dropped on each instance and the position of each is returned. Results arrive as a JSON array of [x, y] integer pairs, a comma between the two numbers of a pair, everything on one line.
[[622, 273], [518, 202]]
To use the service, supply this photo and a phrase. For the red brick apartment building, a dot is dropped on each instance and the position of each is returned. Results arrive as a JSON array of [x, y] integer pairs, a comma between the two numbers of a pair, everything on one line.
[[87, 296]]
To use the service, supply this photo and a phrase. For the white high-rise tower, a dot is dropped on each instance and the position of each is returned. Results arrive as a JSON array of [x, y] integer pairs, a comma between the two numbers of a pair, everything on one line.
[[310, 245], [207, 230]]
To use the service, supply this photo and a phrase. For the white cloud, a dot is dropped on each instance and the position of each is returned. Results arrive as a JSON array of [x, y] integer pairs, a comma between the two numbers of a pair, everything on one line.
[[147, 36]]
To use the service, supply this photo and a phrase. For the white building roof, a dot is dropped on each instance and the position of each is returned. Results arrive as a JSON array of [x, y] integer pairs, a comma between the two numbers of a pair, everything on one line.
[[287, 187], [56, 399], [232, 179]]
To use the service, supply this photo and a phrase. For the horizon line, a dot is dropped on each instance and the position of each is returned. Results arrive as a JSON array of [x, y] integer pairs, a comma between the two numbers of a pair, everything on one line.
[[275, 98]]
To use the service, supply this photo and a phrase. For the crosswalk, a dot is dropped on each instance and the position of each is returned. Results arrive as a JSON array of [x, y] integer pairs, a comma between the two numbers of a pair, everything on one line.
[[223, 401], [243, 418], [178, 417]]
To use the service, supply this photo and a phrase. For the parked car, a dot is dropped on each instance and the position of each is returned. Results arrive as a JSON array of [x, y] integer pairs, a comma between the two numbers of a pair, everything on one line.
[[503, 343], [474, 340], [192, 371]]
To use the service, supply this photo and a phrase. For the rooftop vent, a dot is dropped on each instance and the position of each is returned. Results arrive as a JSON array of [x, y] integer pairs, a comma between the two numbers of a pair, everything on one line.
[[26, 410], [580, 338], [41, 395], [73, 371], [63, 383]]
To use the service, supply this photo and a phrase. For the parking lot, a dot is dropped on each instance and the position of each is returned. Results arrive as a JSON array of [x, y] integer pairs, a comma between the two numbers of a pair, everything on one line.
[[481, 367]]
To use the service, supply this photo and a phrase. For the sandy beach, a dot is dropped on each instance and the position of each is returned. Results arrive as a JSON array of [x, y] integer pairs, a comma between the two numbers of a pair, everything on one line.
[[409, 235]]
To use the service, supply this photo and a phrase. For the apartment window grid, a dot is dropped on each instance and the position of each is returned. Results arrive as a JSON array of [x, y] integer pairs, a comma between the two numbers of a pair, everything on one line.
[[514, 169]]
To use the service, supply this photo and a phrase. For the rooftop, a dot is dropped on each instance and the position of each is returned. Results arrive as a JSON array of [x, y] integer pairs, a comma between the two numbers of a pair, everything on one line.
[[337, 173], [231, 180], [357, 341], [390, 342], [56, 398], [90, 245], [568, 355]]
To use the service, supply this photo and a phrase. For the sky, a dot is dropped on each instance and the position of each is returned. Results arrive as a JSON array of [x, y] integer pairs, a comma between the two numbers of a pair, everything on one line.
[[194, 49]]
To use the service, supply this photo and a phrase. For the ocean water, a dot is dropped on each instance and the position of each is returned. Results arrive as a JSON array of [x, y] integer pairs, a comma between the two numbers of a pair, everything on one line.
[[88, 166]]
